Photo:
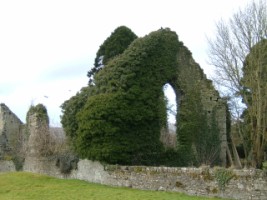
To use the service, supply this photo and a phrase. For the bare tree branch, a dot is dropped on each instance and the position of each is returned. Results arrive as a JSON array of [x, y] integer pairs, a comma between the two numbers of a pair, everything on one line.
[[228, 51]]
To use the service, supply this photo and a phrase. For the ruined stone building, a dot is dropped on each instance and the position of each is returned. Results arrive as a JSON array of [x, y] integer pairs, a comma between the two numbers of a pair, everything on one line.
[[19, 140], [11, 131], [131, 84]]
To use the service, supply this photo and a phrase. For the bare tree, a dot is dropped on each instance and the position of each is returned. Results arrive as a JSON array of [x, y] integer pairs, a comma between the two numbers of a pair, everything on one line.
[[234, 40], [255, 97]]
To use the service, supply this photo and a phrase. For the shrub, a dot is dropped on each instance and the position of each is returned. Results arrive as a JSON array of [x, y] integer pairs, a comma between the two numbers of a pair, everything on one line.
[[223, 176]]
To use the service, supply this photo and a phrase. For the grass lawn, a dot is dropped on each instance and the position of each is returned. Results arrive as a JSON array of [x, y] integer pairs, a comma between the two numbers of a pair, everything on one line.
[[22, 185]]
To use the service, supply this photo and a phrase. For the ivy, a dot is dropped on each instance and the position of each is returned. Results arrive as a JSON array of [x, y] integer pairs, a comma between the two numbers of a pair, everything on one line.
[[70, 109], [114, 45], [223, 176], [121, 121], [117, 119]]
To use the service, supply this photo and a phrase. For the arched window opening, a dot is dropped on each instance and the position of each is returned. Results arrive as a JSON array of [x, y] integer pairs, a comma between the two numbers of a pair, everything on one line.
[[171, 106]]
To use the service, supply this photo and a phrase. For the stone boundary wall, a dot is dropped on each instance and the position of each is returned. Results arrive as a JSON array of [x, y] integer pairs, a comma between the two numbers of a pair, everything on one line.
[[246, 184]]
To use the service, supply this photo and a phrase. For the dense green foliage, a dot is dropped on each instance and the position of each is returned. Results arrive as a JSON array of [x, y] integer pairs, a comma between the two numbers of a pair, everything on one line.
[[191, 124], [199, 141], [70, 109], [21, 186], [120, 123], [118, 118], [114, 45], [198, 132], [207, 141]]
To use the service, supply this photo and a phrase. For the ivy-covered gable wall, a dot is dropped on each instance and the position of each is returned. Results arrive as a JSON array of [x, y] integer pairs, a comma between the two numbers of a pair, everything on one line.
[[121, 122], [201, 119], [125, 110]]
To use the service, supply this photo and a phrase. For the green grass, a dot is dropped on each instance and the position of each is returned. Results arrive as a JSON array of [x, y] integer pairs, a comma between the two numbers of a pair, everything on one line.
[[26, 186]]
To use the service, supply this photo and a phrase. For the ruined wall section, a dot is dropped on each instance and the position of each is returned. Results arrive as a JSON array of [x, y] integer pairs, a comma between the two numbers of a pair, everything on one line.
[[11, 132], [34, 127], [191, 75], [38, 143], [212, 102], [33, 159], [47, 151]]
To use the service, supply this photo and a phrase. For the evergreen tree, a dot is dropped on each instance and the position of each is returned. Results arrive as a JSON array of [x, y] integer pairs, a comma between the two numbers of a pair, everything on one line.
[[114, 45]]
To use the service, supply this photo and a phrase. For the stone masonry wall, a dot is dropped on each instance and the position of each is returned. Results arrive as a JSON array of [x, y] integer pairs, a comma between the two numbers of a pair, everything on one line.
[[7, 166], [10, 130], [246, 184], [210, 98]]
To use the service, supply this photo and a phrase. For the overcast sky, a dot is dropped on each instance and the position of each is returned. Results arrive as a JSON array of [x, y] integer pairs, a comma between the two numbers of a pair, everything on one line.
[[47, 46]]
